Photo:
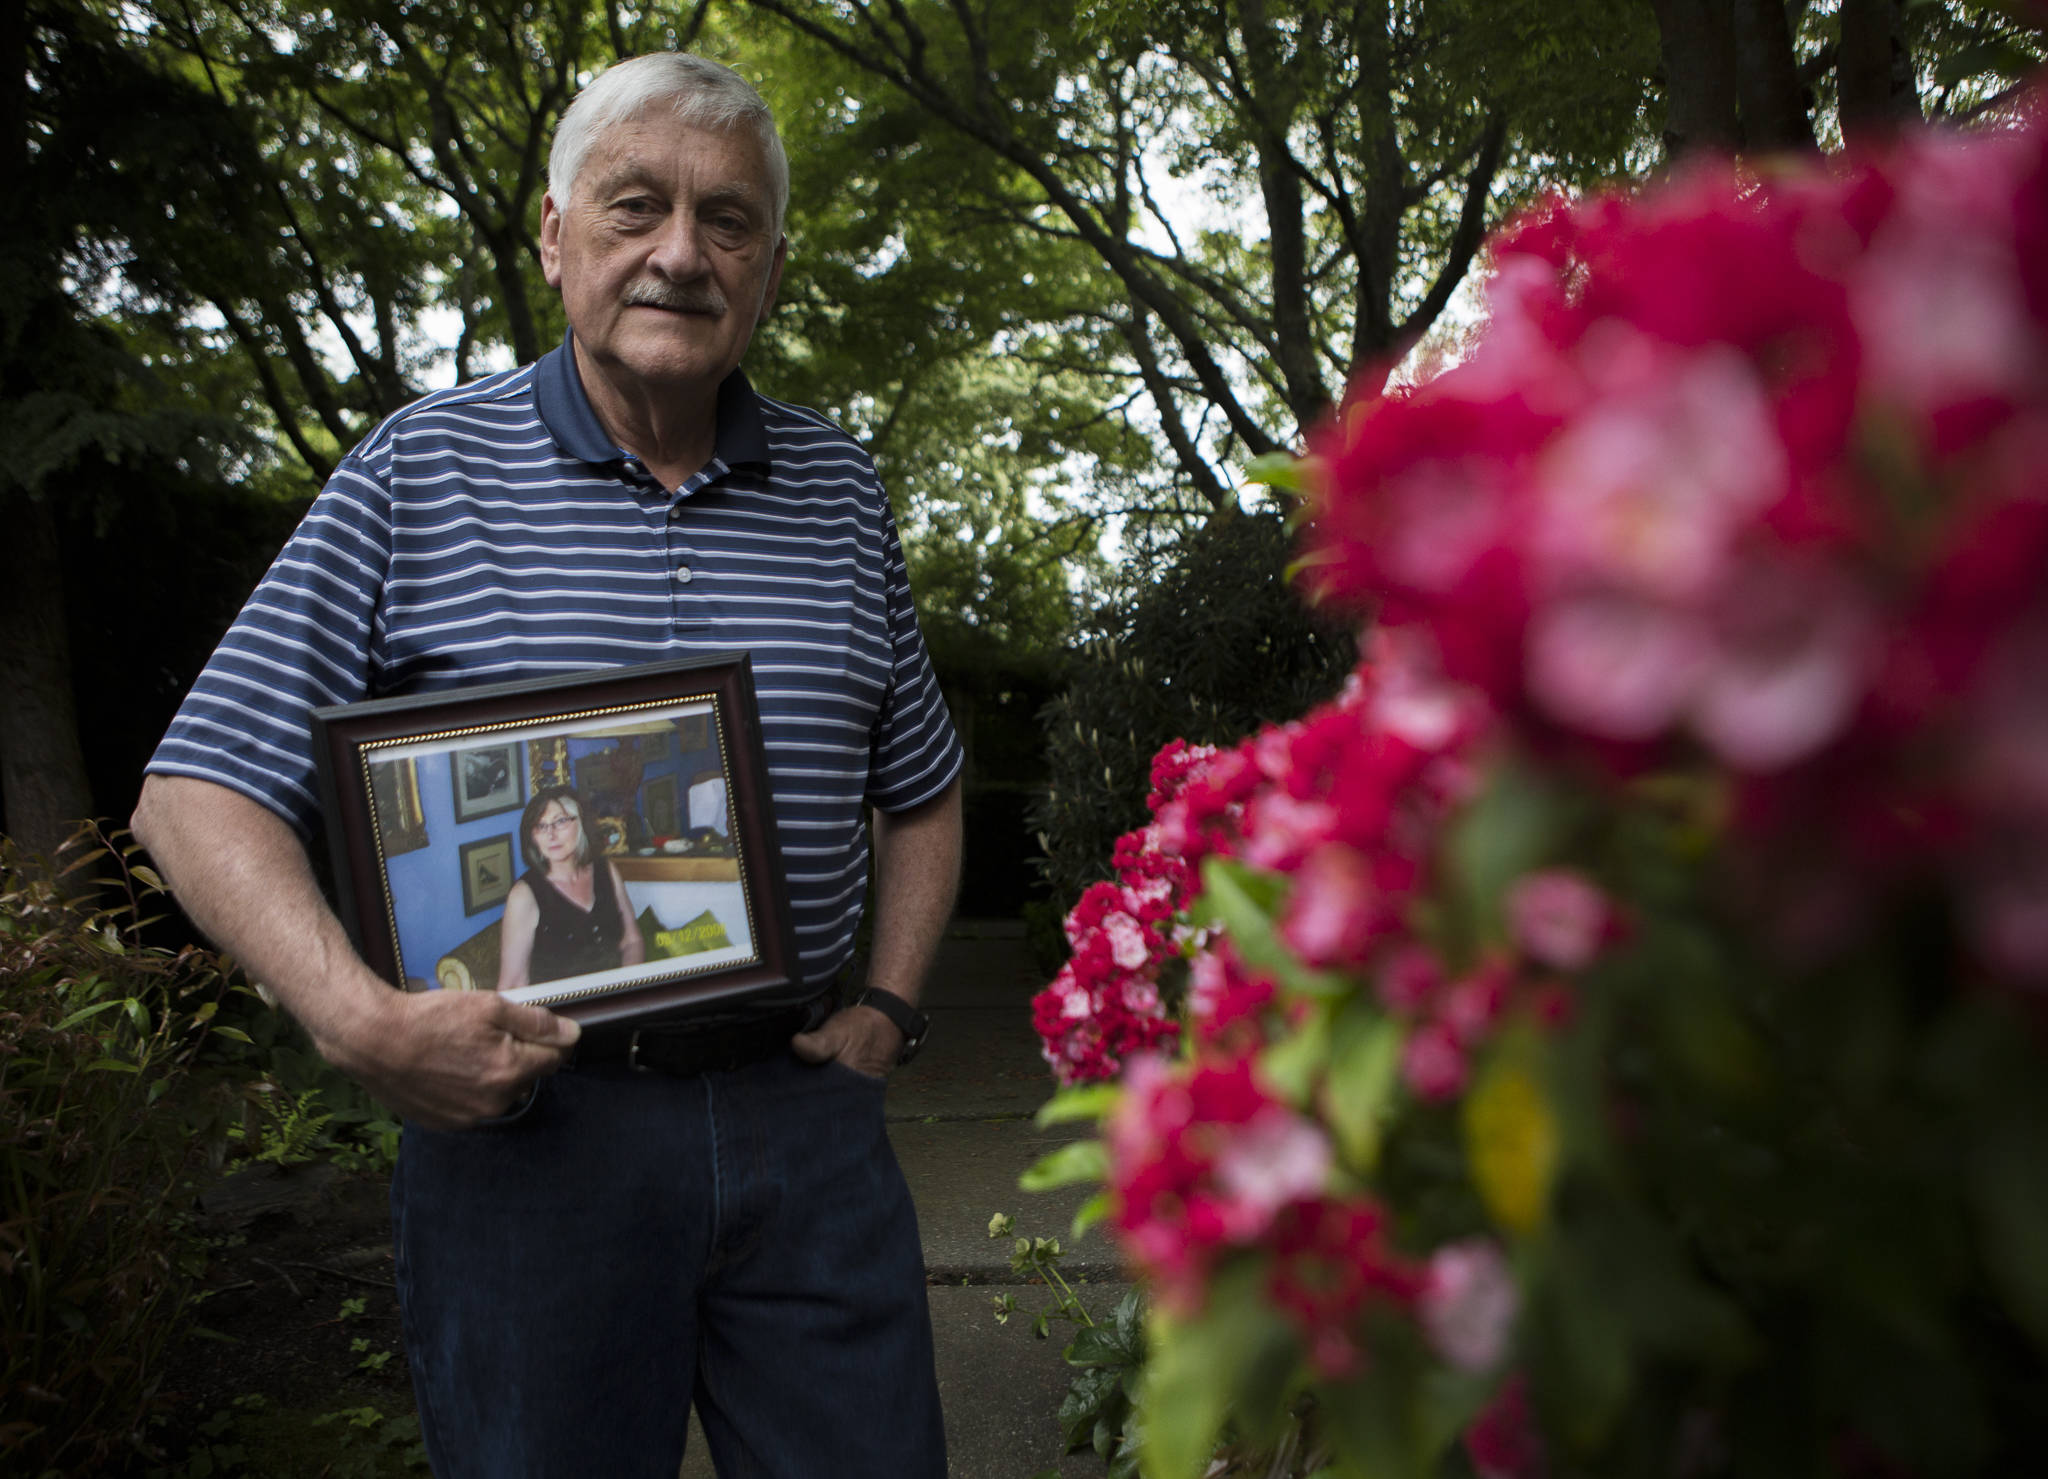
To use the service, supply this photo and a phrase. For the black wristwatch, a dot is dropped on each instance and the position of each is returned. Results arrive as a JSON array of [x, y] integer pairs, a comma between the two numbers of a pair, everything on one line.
[[913, 1024]]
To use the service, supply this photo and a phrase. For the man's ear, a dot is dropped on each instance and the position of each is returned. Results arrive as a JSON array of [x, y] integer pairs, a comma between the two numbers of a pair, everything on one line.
[[551, 240]]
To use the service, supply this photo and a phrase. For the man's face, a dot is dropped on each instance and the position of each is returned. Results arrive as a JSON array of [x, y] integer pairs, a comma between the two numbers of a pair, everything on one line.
[[666, 253]]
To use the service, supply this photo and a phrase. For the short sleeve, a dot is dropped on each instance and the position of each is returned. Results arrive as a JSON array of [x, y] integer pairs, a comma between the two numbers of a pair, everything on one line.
[[915, 753], [303, 640]]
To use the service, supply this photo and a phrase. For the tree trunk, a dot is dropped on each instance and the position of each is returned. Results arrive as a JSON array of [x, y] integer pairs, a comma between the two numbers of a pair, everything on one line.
[[1697, 40], [42, 767], [1874, 70], [1767, 79]]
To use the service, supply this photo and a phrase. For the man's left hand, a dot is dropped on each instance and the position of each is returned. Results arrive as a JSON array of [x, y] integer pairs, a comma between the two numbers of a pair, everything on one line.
[[860, 1037]]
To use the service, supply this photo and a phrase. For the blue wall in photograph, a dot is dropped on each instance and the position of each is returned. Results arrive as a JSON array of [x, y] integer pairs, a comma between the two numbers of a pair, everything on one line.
[[426, 884]]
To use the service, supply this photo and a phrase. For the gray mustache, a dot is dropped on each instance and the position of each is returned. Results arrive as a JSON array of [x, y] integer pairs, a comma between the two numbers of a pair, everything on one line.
[[675, 296]]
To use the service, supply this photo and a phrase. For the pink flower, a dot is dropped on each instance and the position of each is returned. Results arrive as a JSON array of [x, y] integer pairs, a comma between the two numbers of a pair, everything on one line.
[[1127, 946], [1469, 1303], [1614, 666], [1409, 978], [1433, 1063], [1276, 1159], [1796, 649], [1329, 1258], [1502, 1441], [1334, 909], [1646, 491], [1558, 917], [1474, 1004]]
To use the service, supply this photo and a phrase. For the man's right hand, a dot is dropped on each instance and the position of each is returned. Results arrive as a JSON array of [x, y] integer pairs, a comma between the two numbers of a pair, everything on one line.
[[446, 1059], [443, 1058]]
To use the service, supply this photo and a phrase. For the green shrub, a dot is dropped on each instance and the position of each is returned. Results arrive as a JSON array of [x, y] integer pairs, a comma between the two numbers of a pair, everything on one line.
[[1216, 645], [111, 1109]]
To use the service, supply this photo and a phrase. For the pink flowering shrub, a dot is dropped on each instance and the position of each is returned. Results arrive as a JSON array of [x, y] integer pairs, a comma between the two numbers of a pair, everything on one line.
[[1608, 1035]]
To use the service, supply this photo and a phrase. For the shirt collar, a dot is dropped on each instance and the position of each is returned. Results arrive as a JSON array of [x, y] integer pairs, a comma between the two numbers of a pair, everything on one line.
[[741, 436]]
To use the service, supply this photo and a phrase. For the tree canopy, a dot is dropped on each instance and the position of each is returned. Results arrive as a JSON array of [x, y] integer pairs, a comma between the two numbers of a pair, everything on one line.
[[1064, 267]]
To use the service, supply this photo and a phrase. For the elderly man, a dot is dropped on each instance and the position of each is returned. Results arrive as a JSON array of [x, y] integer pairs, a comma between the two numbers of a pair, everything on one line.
[[582, 1252]]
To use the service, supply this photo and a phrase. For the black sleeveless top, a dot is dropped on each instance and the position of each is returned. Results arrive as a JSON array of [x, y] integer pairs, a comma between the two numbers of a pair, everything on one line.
[[566, 940]]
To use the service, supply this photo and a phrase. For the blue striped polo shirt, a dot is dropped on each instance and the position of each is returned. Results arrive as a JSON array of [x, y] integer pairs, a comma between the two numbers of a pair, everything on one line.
[[495, 532]]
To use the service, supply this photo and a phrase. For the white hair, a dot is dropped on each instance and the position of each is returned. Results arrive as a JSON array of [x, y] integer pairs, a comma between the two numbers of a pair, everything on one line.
[[702, 93]]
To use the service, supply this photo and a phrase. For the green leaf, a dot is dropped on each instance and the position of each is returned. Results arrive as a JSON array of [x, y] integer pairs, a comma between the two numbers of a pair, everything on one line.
[[1086, 1394], [1373, 1423], [1099, 1345], [1279, 470], [1082, 1102], [1365, 1072], [1089, 1213], [83, 1013], [111, 1065], [234, 1033], [143, 873], [1081, 1160], [1197, 1369], [2012, 1212], [1242, 901], [1515, 825], [1294, 1063]]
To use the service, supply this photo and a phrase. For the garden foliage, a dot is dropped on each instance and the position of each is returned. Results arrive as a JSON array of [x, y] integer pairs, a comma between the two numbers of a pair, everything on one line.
[[1608, 1038], [110, 1113], [1212, 648]]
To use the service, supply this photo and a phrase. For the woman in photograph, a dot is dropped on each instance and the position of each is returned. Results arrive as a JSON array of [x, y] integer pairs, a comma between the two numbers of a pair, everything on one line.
[[568, 915]]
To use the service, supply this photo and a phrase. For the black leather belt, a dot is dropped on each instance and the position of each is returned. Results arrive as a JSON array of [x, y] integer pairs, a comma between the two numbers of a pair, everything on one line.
[[684, 1052]]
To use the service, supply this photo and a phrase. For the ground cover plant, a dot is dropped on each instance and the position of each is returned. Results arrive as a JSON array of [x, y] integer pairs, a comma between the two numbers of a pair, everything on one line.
[[111, 1112], [1608, 1038], [190, 1196]]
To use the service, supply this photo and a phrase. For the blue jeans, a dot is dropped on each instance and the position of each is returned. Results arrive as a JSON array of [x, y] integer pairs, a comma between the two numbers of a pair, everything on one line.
[[573, 1276]]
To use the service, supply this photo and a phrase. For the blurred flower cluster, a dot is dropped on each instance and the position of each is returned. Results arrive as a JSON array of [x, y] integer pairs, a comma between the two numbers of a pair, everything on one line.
[[1610, 1025], [1754, 474]]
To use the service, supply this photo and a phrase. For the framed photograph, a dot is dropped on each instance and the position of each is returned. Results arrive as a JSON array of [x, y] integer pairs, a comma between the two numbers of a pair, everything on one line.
[[591, 904], [487, 781], [487, 873]]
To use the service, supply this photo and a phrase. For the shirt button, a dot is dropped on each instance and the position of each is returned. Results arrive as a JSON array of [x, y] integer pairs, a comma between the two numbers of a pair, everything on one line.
[[682, 575]]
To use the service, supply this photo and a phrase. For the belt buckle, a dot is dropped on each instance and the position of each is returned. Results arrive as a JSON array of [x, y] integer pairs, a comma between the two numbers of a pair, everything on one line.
[[633, 1054]]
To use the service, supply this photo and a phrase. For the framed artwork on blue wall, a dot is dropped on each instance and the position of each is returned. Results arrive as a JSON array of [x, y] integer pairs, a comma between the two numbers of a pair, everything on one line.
[[486, 781]]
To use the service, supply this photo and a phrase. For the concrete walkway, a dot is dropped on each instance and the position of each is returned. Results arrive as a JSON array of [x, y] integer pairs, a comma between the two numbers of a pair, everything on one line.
[[960, 1118]]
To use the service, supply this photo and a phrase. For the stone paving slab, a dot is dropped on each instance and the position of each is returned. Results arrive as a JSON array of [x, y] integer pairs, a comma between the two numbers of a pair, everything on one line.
[[961, 1172], [983, 963], [980, 1062]]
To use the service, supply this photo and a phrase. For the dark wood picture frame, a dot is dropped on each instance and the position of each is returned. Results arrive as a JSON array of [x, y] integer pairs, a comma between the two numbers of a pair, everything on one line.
[[753, 952]]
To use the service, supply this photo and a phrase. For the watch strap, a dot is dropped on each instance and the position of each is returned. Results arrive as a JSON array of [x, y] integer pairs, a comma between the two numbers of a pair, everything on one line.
[[912, 1023]]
